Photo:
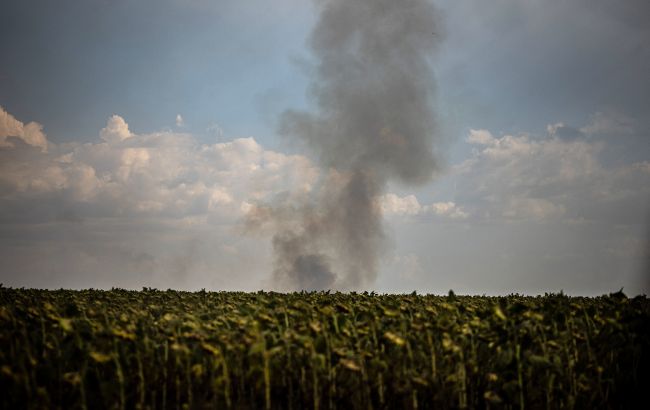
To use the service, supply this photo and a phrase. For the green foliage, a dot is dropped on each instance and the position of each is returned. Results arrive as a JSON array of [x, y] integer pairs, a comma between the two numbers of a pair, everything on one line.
[[166, 349]]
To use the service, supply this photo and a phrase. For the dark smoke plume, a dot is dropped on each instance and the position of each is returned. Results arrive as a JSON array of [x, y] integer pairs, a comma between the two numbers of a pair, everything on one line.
[[373, 87]]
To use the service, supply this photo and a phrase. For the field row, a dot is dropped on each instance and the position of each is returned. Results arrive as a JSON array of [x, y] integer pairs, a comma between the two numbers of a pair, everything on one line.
[[166, 349]]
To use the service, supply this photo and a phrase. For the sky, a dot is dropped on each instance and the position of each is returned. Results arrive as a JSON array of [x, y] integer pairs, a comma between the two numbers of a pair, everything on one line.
[[136, 137]]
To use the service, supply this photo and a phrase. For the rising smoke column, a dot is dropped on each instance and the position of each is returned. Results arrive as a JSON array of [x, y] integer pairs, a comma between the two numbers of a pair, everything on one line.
[[373, 89]]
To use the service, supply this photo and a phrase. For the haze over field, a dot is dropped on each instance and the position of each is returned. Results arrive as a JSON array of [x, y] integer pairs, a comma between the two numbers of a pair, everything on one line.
[[486, 147]]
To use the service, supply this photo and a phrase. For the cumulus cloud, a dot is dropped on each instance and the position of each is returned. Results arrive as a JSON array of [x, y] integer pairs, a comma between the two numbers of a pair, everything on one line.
[[545, 212], [161, 203], [30, 133], [609, 123], [561, 175], [481, 137], [560, 130], [446, 209], [163, 174], [116, 130], [161, 209], [394, 205]]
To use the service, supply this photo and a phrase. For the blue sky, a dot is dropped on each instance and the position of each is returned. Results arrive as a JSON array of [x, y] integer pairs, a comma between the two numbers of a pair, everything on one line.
[[237, 64], [213, 62], [542, 107]]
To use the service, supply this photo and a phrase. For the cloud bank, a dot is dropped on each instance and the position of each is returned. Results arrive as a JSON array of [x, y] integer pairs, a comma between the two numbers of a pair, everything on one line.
[[558, 176], [532, 212], [542, 212], [130, 209]]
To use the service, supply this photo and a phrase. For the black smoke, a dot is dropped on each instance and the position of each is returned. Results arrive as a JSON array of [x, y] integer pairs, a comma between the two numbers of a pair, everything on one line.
[[373, 89]]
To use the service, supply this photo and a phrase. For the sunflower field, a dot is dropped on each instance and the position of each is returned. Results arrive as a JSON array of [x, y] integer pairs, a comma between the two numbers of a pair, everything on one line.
[[152, 349]]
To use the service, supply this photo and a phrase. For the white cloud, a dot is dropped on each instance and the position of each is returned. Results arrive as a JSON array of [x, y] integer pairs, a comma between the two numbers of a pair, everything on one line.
[[161, 174], [31, 133], [562, 131], [116, 130], [161, 209], [481, 137], [179, 120], [609, 123], [544, 213], [557, 176], [131, 209], [394, 205], [446, 209]]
